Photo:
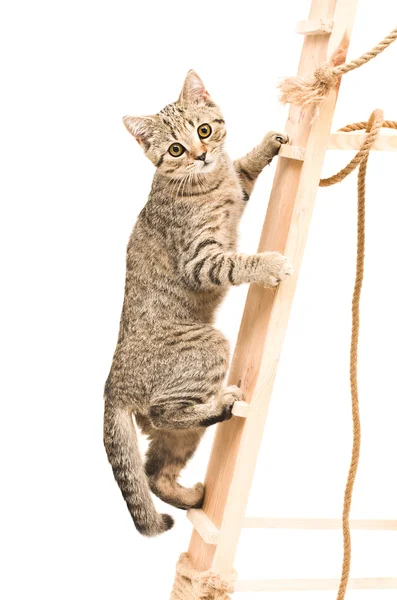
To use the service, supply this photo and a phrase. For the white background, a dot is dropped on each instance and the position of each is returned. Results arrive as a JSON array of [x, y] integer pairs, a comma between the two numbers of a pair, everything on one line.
[[73, 182]]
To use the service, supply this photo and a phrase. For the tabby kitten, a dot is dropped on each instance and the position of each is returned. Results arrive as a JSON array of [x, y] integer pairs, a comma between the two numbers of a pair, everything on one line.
[[170, 362]]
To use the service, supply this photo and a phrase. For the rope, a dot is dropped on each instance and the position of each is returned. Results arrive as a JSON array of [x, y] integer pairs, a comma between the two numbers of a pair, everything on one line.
[[304, 92], [373, 126], [190, 584]]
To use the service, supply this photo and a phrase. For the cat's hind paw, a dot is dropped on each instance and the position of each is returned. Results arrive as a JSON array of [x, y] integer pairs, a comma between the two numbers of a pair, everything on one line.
[[199, 492], [227, 398]]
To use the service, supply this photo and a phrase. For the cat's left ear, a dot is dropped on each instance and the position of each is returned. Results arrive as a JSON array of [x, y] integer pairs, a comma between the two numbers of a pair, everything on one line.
[[141, 128], [193, 90]]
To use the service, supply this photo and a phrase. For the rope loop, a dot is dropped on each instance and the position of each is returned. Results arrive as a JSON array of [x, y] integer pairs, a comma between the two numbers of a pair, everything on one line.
[[372, 126]]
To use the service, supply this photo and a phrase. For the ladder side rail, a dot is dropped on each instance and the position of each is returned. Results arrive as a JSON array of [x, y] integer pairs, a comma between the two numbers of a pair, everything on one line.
[[236, 444]]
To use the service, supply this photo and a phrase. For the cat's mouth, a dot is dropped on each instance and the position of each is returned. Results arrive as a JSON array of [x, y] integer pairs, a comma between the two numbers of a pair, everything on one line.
[[207, 166]]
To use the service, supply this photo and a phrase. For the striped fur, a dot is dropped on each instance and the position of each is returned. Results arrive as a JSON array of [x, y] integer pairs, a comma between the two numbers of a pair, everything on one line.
[[170, 362]]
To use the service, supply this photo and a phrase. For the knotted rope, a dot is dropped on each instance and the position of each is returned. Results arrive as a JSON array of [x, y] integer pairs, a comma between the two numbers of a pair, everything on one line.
[[315, 90], [373, 126], [190, 584]]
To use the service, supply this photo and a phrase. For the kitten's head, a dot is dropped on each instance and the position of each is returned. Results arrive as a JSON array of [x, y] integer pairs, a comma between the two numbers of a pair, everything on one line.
[[186, 136]]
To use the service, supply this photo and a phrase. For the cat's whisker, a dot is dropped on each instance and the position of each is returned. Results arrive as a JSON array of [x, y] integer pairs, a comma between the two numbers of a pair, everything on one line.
[[171, 180], [180, 185], [191, 180], [177, 182], [185, 184]]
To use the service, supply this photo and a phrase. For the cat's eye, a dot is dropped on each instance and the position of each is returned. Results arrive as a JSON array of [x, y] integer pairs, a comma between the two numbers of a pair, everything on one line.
[[204, 131], [176, 150]]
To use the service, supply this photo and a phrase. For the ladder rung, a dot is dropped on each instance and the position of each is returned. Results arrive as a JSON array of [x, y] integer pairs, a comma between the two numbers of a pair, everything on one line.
[[314, 26], [210, 533], [315, 585], [203, 525], [355, 139], [344, 141], [280, 523], [294, 152], [240, 409]]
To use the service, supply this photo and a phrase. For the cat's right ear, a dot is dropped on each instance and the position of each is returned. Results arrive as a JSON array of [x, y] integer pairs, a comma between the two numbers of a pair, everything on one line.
[[141, 128], [193, 90]]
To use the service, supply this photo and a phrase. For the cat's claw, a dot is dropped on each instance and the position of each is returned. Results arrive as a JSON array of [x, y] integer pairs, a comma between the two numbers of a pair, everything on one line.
[[277, 137], [283, 138]]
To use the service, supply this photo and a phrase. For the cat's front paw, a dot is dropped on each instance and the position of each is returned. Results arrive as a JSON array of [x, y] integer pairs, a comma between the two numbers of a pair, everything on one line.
[[272, 142], [273, 267]]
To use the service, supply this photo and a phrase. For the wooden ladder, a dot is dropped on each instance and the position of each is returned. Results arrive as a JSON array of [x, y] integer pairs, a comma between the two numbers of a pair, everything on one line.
[[217, 526]]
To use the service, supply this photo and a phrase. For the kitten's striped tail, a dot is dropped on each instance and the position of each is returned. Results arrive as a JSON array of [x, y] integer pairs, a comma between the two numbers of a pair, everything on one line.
[[123, 453]]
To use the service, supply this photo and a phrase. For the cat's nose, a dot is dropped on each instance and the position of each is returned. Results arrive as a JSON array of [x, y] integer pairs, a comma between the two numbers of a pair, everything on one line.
[[202, 156]]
